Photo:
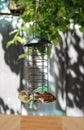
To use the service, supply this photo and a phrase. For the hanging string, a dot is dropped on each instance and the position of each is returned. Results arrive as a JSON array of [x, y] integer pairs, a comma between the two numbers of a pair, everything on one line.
[[36, 22], [37, 10]]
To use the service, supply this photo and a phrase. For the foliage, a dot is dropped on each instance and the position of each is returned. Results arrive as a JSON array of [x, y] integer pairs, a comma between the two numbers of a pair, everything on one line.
[[55, 15]]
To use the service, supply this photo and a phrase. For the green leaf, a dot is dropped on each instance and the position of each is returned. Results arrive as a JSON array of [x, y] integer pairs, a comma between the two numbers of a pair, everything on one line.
[[82, 29], [19, 39], [14, 31], [22, 56], [24, 28], [10, 43]]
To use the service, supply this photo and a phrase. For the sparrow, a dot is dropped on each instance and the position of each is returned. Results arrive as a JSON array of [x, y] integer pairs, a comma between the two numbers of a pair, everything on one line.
[[44, 97], [24, 96]]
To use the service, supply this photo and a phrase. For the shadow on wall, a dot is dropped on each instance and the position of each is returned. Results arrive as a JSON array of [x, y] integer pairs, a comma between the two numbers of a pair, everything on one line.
[[57, 77], [70, 55], [10, 54], [4, 109], [75, 75]]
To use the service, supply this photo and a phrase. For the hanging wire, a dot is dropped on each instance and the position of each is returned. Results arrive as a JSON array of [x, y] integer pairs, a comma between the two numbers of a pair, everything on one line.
[[37, 10], [37, 17]]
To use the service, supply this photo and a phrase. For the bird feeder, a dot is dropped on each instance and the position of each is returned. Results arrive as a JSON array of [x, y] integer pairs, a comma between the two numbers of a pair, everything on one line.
[[38, 62], [37, 72], [37, 69]]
